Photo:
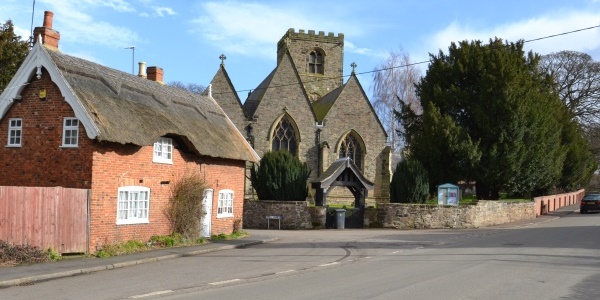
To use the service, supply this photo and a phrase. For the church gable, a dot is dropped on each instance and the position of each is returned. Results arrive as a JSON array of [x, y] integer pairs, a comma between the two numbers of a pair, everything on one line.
[[283, 95], [224, 93]]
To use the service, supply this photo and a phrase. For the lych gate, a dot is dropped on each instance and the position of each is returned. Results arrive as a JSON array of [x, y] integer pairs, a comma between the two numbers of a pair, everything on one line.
[[342, 172]]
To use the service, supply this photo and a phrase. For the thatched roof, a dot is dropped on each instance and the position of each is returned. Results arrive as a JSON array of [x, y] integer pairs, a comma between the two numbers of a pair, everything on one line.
[[128, 109]]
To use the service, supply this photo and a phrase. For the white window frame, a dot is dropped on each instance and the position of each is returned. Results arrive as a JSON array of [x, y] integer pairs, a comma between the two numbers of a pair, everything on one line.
[[133, 205], [15, 132], [225, 204], [72, 141], [163, 151]]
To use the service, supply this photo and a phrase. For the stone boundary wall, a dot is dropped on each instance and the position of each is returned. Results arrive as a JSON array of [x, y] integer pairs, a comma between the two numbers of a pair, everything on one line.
[[485, 213], [298, 214], [294, 214]]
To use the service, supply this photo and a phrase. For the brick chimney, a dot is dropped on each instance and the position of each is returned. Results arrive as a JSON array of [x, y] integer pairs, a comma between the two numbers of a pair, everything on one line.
[[50, 37], [155, 74]]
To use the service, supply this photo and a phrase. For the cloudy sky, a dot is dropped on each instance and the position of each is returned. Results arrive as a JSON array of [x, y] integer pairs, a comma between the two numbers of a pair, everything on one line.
[[186, 38]]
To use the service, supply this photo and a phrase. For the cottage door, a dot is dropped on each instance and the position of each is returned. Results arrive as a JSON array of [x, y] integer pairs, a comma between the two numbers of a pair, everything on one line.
[[207, 202]]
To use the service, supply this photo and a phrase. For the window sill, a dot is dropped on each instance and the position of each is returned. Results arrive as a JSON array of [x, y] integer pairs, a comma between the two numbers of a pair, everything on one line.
[[224, 216], [69, 146], [14, 146], [164, 162], [133, 222]]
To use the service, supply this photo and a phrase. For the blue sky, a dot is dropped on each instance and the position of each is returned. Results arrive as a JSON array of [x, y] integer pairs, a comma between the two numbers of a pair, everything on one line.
[[186, 38]]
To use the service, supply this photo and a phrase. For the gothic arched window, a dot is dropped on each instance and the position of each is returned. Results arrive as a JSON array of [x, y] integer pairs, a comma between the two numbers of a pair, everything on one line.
[[351, 147], [315, 62], [284, 137]]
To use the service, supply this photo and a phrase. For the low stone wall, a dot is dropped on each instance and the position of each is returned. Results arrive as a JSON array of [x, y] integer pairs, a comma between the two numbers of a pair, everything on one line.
[[298, 215], [485, 213], [294, 214]]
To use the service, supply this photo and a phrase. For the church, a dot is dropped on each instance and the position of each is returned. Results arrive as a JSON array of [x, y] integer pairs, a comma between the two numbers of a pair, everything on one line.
[[307, 106]]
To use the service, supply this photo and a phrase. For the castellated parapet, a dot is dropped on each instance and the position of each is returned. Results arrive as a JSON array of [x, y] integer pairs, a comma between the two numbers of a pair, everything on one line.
[[300, 45]]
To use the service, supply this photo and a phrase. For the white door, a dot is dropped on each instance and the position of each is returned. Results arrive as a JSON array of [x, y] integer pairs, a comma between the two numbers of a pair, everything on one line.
[[207, 214]]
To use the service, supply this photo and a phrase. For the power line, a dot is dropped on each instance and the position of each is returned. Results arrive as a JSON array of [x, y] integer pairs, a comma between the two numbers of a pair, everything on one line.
[[413, 64]]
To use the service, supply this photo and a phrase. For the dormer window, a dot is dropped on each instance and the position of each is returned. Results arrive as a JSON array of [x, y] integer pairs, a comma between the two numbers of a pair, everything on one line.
[[163, 151], [315, 62]]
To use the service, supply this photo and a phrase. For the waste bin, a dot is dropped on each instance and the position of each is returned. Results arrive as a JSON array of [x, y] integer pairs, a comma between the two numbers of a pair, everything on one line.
[[340, 218]]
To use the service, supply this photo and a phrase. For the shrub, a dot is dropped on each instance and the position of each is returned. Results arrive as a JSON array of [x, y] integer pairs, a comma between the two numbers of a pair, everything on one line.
[[184, 211], [280, 176], [410, 183]]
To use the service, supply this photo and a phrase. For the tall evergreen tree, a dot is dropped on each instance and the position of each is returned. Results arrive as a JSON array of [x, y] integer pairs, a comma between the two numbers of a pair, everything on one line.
[[13, 51], [495, 98]]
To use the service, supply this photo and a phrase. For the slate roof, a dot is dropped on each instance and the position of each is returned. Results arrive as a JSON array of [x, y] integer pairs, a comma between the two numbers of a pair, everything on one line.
[[336, 169], [129, 109], [251, 104]]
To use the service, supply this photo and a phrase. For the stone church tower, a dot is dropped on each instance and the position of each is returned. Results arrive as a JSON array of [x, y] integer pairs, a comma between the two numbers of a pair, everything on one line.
[[305, 107]]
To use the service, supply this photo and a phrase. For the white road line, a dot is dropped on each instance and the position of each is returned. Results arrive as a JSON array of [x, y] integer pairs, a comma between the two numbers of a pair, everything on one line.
[[395, 252], [152, 294], [224, 282], [283, 272], [329, 264]]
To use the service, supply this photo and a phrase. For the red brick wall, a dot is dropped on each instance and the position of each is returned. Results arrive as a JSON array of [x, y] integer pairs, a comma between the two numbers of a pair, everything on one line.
[[41, 161], [118, 165]]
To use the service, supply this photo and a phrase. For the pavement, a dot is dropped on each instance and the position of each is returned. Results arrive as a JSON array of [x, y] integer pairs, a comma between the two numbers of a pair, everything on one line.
[[29, 274]]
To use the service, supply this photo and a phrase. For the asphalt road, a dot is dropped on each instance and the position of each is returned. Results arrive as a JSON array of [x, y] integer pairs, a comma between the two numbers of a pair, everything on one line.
[[559, 259]]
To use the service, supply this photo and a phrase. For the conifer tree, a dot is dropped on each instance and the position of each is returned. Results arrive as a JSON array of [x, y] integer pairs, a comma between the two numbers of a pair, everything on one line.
[[12, 53]]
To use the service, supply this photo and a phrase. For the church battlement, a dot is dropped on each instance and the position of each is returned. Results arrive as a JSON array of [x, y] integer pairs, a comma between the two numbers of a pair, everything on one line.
[[303, 35]]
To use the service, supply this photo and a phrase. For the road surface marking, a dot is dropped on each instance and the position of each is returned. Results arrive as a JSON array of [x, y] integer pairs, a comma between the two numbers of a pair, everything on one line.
[[329, 264], [152, 294], [224, 282], [283, 272]]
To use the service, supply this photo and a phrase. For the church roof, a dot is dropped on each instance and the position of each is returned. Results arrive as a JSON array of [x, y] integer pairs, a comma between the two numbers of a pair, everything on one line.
[[254, 98], [118, 107], [322, 106]]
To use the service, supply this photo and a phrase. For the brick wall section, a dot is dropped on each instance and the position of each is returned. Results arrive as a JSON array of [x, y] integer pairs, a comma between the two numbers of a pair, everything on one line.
[[118, 165], [41, 161]]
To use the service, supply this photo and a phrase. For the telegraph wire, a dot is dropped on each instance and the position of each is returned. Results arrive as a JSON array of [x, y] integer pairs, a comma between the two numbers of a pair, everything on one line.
[[410, 64]]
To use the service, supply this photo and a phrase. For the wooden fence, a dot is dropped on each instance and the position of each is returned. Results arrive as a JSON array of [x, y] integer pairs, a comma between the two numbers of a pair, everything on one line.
[[45, 217]]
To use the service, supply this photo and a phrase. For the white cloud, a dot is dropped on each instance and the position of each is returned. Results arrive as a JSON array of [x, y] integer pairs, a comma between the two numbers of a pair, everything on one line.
[[533, 28], [162, 11], [70, 16], [254, 29]]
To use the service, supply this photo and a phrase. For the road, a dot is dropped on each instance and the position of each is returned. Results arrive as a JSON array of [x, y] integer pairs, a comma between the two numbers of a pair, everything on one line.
[[559, 259]]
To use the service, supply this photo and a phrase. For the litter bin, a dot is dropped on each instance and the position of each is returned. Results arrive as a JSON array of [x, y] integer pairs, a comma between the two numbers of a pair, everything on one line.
[[340, 218]]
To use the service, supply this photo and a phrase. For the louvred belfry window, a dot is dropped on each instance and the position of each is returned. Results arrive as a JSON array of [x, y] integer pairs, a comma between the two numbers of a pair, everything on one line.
[[315, 63]]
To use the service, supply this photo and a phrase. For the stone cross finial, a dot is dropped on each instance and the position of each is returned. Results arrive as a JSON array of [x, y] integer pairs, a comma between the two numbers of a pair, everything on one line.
[[353, 65], [223, 58]]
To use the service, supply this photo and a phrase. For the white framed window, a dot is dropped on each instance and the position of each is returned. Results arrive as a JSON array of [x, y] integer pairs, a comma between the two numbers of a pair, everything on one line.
[[163, 151], [15, 132], [70, 132], [225, 205], [133, 205]]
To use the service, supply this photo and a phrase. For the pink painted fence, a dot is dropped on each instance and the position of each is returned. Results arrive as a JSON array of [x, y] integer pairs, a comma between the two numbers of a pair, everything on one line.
[[546, 204], [45, 217]]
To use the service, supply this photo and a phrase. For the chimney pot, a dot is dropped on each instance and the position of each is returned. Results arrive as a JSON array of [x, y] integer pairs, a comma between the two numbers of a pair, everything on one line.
[[142, 72], [50, 37], [48, 15]]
